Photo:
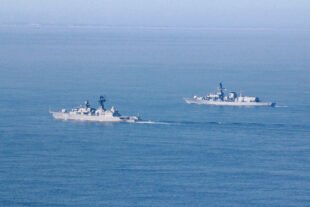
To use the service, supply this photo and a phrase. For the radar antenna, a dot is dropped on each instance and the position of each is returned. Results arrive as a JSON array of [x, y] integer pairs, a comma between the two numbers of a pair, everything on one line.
[[86, 104], [221, 93], [221, 87], [101, 102]]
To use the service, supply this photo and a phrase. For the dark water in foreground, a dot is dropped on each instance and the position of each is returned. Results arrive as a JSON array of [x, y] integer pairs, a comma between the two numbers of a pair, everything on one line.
[[191, 155]]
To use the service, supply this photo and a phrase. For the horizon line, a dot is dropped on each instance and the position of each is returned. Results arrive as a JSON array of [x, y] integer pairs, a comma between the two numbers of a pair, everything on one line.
[[81, 26]]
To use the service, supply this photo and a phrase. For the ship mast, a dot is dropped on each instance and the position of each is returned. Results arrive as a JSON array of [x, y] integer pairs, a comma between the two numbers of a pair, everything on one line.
[[221, 93], [101, 102], [86, 104]]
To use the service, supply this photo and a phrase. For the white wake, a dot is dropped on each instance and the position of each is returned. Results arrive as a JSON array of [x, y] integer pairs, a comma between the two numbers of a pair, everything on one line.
[[152, 122]]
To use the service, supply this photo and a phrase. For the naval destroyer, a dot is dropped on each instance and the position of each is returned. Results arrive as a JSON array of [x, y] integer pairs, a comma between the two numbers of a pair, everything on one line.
[[86, 113], [232, 99]]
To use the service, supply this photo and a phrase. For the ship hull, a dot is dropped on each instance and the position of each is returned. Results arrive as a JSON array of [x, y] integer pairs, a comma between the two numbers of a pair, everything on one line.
[[224, 103], [77, 117]]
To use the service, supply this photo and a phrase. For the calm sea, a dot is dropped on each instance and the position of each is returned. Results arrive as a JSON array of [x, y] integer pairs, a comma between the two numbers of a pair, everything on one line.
[[187, 155]]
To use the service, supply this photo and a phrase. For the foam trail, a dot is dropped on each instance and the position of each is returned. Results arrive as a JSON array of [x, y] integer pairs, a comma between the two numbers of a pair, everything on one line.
[[277, 106], [152, 122]]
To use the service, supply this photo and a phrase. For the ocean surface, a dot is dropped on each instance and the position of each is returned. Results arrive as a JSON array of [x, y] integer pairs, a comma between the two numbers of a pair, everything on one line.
[[184, 155]]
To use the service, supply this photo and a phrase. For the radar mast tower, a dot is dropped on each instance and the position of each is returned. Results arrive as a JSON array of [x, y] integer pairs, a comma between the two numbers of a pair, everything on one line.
[[101, 102]]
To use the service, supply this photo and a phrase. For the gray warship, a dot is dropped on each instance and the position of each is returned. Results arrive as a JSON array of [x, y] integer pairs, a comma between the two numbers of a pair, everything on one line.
[[86, 113], [219, 99]]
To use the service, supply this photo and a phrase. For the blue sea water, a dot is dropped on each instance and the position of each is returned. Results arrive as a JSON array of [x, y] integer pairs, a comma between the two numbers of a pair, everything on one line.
[[189, 155]]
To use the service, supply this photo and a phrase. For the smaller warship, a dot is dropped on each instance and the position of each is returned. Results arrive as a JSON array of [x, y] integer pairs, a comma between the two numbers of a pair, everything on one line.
[[86, 113], [232, 99]]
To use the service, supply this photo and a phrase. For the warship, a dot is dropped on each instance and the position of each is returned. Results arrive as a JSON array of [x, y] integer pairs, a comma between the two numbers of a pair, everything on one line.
[[86, 113], [232, 99]]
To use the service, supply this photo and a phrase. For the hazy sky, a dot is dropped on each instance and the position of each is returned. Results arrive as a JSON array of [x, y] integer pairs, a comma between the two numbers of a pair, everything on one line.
[[187, 13]]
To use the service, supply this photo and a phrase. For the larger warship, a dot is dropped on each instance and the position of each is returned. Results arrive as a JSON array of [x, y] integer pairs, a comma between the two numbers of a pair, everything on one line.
[[232, 99], [86, 113]]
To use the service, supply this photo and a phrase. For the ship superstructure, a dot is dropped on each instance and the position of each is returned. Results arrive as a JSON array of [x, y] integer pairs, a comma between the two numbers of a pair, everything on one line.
[[232, 99], [86, 113]]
